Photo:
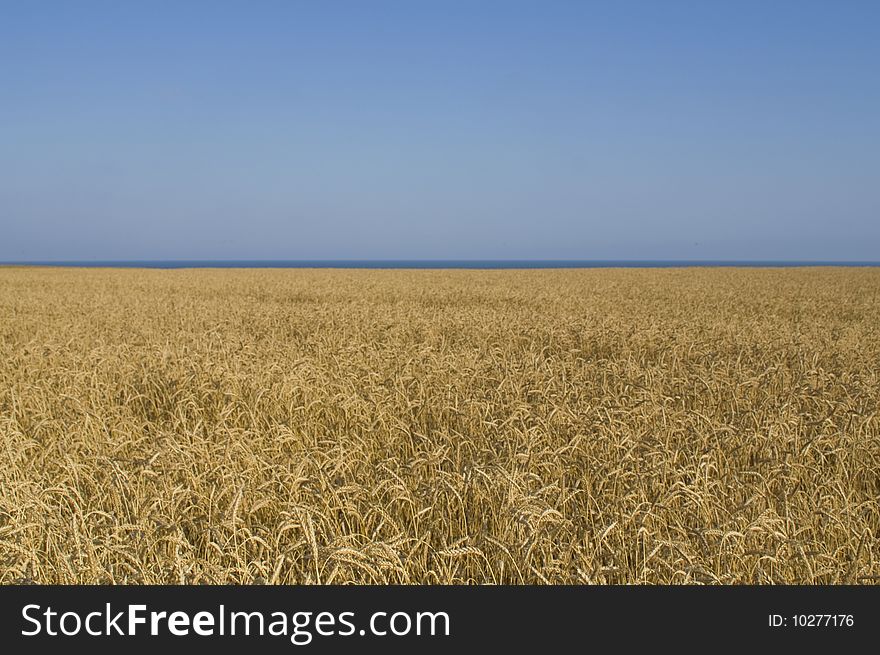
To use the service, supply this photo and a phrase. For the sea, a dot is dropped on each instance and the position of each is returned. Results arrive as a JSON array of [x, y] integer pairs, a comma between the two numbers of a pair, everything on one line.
[[439, 263]]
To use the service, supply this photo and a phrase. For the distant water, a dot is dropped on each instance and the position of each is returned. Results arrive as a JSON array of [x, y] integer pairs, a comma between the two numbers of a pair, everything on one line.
[[436, 263]]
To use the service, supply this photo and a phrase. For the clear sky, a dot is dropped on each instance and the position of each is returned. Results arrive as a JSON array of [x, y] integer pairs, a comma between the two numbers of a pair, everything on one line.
[[440, 130]]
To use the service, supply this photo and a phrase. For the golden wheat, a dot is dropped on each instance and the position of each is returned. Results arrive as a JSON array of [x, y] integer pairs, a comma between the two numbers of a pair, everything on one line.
[[335, 426]]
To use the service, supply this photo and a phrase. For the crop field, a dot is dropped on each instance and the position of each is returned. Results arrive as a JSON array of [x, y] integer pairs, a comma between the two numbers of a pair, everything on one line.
[[684, 426]]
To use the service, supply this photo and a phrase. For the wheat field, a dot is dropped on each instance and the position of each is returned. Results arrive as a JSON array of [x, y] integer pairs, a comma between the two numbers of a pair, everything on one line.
[[682, 426]]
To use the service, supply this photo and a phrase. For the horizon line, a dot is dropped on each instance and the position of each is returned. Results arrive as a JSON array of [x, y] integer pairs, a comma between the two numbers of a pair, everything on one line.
[[435, 263]]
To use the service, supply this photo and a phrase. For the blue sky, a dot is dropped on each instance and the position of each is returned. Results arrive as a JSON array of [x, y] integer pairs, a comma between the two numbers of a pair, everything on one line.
[[439, 130]]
